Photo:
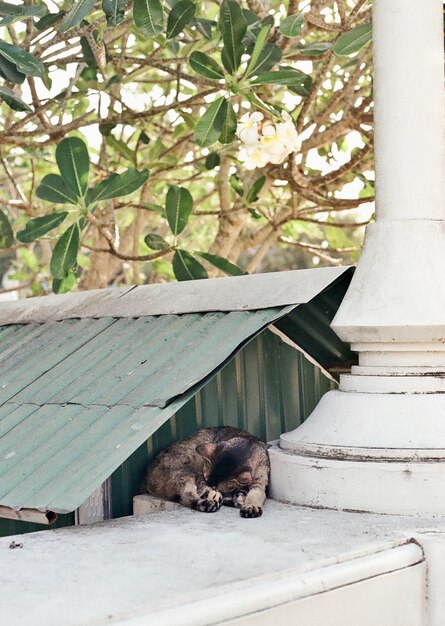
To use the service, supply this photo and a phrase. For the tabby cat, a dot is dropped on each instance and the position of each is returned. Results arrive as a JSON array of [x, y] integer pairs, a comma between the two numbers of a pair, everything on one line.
[[215, 466]]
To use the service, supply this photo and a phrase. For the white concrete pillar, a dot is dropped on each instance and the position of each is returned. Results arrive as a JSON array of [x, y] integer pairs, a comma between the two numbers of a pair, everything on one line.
[[409, 111], [378, 443]]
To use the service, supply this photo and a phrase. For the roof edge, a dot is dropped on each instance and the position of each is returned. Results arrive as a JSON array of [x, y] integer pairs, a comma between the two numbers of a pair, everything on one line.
[[238, 293], [29, 515]]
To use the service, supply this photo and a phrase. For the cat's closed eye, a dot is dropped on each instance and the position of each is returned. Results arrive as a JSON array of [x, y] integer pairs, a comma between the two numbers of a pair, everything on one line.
[[245, 478], [232, 485]]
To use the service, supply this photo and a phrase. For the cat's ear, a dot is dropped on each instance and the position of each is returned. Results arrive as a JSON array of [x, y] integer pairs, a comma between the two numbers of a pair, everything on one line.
[[206, 450]]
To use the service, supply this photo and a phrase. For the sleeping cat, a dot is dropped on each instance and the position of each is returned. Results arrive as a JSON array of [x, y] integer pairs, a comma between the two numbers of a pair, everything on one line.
[[215, 466]]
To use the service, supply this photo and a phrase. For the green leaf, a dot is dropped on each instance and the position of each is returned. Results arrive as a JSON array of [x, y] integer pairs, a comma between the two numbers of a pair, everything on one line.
[[269, 56], [205, 65], [233, 27], [148, 17], [229, 125], [291, 25], [204, 27], [222, 264], [181, 14], [7, 9], [23, 61], [65, 251], [144, 138], [290, 77], [64, 285], [10, 73], [254, 214], [117, 185], [173, 46], [236, 185], [6, 234], [353, 40], [47, 81], [314, 49], [88, 54], [16, 12], [258, 48], [251, 18], [156, 242], [74, 164], [78, 11], [212, 160], [114, 11], [121, 147], [186, 267], [54, 189], [178, 208], [209, 127], [254, 26], [150, 206], [28, 258], [269, 108], [49, 20], [252, 194], [38, 226], [337, 238], [13, 101], [88, 73]]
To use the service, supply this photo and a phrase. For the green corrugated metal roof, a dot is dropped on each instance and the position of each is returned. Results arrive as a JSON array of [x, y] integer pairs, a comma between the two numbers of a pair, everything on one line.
[[53, 457], [79, 396]]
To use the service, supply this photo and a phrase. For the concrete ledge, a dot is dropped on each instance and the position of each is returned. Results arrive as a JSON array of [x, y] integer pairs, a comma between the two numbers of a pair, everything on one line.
[[146, 505], [186, 568]]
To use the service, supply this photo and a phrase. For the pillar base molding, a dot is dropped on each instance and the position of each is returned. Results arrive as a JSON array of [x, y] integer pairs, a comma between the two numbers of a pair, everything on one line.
[[374, 452], [386, 487]]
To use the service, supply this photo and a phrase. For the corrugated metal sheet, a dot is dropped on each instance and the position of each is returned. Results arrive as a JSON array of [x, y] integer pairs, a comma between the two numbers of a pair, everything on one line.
[[112, 362], [267, 388], [237, 293], [79, 396], [308, 325], [52, 457]]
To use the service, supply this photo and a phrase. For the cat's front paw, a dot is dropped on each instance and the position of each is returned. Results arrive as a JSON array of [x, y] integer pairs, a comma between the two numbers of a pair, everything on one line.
[[251, 511], [210, 501], [238, 499]]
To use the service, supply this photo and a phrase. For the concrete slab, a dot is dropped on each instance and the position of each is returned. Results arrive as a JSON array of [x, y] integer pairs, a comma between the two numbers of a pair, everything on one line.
[[117, 570]]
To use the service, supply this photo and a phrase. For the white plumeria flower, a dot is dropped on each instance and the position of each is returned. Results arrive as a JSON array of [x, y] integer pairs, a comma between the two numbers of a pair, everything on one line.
[[247, 129], [254, 156], [288, 133], [266, 142], [272, 145]]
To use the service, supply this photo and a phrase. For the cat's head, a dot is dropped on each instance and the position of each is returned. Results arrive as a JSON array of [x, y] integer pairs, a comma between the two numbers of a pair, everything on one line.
[[228, 465]]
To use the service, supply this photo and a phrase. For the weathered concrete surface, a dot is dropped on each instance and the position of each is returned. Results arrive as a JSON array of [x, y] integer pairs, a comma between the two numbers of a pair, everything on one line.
[[130, 568], [146, 504]]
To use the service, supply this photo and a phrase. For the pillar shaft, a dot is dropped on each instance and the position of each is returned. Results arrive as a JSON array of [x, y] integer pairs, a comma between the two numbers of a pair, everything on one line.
[[409, 109], [398, 291]]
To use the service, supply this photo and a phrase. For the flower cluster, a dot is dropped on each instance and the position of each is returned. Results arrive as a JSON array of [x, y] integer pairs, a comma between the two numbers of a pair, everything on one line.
[[265, 141]]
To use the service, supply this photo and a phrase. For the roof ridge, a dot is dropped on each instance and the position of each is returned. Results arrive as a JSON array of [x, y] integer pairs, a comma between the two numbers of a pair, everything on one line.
[[238, 293]]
